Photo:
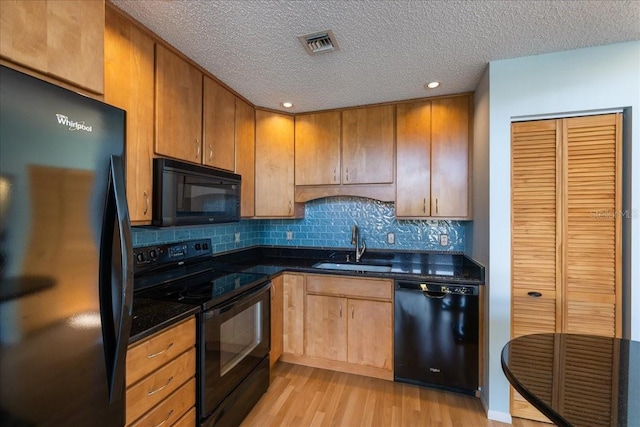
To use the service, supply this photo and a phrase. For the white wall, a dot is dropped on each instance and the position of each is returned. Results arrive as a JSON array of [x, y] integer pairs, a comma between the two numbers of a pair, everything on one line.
[[564, 83]]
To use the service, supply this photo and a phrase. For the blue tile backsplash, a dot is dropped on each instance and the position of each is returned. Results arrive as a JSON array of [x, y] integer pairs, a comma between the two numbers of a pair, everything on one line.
[[327, 223]]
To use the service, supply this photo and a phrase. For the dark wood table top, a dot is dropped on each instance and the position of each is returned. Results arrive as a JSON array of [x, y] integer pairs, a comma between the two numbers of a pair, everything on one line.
[[577, 380]]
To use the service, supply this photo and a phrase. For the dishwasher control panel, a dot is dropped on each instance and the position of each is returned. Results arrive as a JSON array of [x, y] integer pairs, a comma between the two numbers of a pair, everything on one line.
[[442, 288]]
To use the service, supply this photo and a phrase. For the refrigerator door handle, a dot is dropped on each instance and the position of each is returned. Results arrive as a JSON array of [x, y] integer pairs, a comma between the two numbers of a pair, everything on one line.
[[116, 284]]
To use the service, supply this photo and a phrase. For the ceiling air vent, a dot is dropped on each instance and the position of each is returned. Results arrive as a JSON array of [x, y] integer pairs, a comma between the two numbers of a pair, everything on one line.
[[321, 42]]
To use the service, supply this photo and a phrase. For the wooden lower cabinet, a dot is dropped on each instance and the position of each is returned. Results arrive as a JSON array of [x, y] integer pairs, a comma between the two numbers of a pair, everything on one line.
[[293, 314], [340, 323], [276, 319], [161, 377]]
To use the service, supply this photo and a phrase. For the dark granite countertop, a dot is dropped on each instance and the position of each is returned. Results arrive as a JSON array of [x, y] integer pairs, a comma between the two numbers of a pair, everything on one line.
[[150, 316], [446, 267], [577, 380]]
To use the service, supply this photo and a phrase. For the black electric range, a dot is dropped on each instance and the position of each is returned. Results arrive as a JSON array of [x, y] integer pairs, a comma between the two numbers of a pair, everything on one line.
[[185, 273]]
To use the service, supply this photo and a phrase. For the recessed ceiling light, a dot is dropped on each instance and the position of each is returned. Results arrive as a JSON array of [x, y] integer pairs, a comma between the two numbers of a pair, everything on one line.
[[432, 85], [287, 104]]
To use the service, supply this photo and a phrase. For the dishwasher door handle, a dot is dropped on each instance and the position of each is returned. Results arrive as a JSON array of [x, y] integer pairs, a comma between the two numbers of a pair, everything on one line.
[[436, 295]]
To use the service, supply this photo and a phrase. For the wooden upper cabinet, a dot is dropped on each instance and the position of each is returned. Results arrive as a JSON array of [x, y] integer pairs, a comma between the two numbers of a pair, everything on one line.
[[317, 148], [178, 107], [245, 132], [368, 150], [129, 61], [432, 170], [274, 165], [61, 39], [413, 169], [450, 138], [219, 115]]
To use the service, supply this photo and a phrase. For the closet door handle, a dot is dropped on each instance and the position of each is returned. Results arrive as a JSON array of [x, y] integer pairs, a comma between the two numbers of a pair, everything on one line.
[[534, 294]]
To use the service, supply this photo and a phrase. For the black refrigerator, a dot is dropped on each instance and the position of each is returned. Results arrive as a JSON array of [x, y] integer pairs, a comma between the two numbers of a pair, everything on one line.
[[66, 277]]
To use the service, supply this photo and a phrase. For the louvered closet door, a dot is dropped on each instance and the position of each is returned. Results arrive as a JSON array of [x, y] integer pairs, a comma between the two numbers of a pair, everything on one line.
[[592, 233], [534, 240], [534, 267]]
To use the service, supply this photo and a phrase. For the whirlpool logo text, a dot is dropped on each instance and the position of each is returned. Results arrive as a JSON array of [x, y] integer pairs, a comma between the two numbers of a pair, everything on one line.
[[73, 126]]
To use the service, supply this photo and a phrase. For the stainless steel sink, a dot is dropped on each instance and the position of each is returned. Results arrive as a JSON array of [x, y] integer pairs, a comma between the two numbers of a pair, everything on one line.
[[353, 267]]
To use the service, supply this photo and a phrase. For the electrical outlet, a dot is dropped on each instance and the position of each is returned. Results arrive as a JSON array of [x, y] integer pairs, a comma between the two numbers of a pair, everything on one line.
[[237, 237], [391, 238], [444, 240], [289, 235]]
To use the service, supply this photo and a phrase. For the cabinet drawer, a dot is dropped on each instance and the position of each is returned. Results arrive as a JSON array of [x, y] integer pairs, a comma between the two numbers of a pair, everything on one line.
[[172, 408], [148, 392], [350, 287], [148, 355], [187, 420]]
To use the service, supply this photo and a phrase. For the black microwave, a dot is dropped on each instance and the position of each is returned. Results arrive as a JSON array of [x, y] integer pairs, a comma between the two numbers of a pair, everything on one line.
[[188, 194]]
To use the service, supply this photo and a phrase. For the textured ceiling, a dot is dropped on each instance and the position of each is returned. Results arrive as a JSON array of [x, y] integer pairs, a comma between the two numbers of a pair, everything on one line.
[[388, 49]]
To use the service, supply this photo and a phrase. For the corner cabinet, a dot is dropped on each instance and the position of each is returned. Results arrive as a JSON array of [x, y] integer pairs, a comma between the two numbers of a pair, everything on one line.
[[41, 34], [178, 120], [566, 237], [161, 384], [128, 84], [433, 168], [274, 174]]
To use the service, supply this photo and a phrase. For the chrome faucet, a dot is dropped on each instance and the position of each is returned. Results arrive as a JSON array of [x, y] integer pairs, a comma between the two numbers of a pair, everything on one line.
[[355, 240]]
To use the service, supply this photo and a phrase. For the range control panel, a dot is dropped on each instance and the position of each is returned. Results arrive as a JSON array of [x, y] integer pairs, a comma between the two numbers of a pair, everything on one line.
[[154, 256]]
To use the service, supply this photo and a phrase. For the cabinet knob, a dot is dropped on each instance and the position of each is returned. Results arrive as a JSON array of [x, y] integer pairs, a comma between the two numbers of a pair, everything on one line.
[[424, 205], [347, 175], [210, 151], [534, 294], [197, 149], [340, 310], [290, 206], [352, 312], [436, 205]]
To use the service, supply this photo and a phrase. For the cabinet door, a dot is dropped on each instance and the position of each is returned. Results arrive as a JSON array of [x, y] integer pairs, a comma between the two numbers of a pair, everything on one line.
[[128, 84], [326, 327], [276, 319], [370, 333], [41, 34], [246, 155], [368, 150], [274, 164], [178, 107], [413, 163], [218, 121], [450, 157], [293, 314], [317, 148]]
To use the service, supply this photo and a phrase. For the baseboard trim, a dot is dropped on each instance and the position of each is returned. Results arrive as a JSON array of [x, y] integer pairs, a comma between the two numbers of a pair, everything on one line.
[[503, 417]]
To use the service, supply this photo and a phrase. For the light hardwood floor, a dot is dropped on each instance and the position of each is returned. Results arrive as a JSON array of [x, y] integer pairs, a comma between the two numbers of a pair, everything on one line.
[[301, 396]]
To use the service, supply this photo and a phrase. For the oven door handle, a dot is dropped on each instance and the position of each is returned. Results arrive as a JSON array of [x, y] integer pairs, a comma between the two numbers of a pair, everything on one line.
[[247, 298]]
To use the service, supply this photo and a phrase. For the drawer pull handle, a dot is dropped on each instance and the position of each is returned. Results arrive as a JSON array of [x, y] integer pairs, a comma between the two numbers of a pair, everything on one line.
[[534, 294], [166, 419], [152, 392], [151, 356]]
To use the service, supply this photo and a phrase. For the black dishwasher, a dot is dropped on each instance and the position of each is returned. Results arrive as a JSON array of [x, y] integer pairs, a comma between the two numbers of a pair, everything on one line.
[[436, 335]]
